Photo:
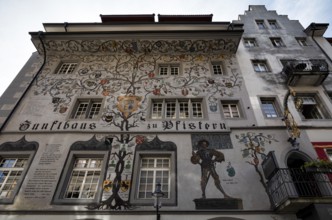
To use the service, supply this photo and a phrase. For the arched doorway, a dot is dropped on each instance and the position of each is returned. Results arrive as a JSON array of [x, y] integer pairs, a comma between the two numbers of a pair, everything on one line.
[[296, 159], [303, 181]]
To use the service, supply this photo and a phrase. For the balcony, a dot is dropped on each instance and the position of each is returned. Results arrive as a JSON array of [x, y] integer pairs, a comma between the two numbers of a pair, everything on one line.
[[291, 190], [305, 72]]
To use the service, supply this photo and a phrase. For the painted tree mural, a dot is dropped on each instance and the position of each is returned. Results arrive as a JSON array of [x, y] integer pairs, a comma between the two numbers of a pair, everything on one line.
[[120, 159], [130, 68], [125, 72], [254, 151], [115, 202]]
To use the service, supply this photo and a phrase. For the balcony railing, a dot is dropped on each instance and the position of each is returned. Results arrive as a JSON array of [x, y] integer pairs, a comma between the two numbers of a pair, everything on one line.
[[294, 189], [305, 72]]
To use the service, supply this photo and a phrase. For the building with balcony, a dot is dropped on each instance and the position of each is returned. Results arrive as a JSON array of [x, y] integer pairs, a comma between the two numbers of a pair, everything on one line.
[[291, 65], [180, 118]]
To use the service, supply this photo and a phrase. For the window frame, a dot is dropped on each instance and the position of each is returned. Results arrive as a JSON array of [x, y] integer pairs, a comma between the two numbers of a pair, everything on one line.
[[169, 69], [274, 25], [302, 41], [154, 169], [329, 153], [165, 107], [59, 196], [274, 103], [68, 70], [220, 66], [319, 106], [89, 108], [17, 154], [238, 108], [250, 42], [277, 42], [260, 24], [136, 173], [329, 95], [258, 64]]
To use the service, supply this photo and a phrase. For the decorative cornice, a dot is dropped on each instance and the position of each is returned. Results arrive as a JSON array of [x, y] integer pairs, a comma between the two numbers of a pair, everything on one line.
[[92, 144], [20, 145], [225, 45], [157, 144]]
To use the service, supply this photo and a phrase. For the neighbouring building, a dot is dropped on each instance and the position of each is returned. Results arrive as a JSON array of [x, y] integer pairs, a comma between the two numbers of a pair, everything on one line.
[[180, 118]]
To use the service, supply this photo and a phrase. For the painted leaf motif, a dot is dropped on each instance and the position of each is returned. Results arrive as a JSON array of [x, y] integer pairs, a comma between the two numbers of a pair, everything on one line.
[[245, 153]]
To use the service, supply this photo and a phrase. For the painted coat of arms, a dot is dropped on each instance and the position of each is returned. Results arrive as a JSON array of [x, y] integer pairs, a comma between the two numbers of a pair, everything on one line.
[[128, 104]]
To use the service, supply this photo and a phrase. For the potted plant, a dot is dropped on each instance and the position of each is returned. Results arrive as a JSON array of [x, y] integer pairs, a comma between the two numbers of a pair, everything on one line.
[[318, 165]]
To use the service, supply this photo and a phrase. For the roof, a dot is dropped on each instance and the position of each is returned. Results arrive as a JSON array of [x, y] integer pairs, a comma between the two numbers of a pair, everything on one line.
[[132, 18], [185, 18], [316, 29], [150, 18]]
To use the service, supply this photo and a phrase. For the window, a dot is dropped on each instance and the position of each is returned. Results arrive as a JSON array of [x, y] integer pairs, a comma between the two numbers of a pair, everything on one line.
[[273, 24], [15, 159], [277, 42], [177, 109], [260, 66], [154, 170], [11, 173], [302, 42], [329, 154], [250, 42], [260, 24], [311, 107], [217, 68], [169, 69], [269, 107], [155, 162], [66, 68], [329, 94], [82, 179], [83, 173], [87, 109], [230, 109]]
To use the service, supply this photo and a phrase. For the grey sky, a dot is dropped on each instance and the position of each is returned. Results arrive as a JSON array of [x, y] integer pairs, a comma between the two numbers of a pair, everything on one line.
[[18, 17]]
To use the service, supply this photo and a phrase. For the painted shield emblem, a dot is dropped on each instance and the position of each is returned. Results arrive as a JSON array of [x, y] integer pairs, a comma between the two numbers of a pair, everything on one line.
[[128, 104], [125, 185], [107, 185]]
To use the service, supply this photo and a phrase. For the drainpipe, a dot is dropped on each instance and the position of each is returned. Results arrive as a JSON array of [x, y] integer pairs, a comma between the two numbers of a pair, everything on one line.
[[40, 36], [65, 25]]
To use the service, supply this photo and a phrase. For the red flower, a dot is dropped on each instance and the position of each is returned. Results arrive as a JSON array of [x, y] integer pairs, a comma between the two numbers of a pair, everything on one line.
[[103, 81], [140, 139], [106, 92], [156, 92]]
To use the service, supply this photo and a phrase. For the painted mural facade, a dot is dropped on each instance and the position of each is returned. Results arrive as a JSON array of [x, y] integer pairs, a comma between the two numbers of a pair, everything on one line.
[[127, 82], [215, 163]]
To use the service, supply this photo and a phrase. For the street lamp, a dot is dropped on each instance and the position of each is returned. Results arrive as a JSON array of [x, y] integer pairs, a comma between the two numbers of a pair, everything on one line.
[[157, 194]]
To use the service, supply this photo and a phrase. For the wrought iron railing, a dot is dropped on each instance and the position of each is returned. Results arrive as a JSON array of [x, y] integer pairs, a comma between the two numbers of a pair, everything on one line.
[[299, 183], [303, 66]]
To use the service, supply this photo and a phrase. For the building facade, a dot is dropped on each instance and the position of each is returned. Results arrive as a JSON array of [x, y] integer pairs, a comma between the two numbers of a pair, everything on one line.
[[184, 118]]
